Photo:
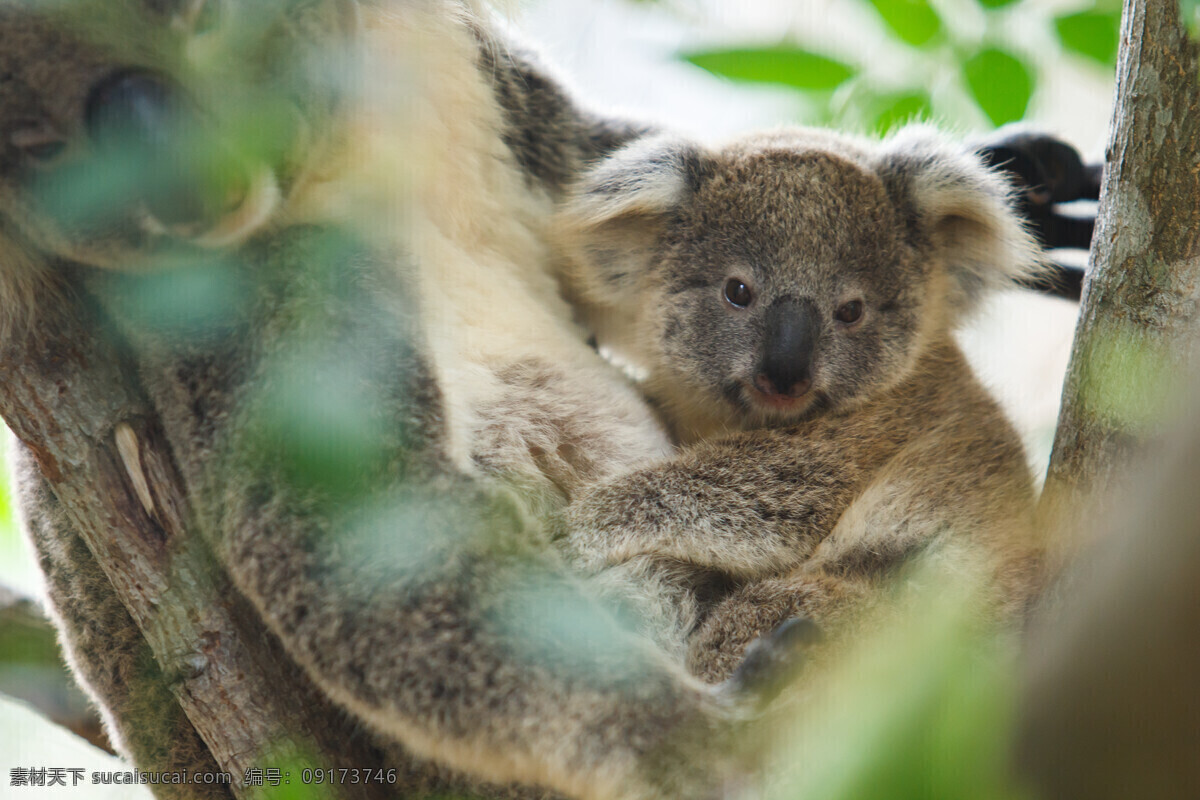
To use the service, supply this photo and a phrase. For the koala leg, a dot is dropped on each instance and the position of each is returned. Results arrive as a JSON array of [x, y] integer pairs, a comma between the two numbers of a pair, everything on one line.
[[107, 650], [468, 648], [971, 523]]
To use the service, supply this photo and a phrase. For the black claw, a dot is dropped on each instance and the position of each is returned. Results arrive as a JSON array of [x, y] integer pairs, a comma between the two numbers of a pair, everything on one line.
[[772, 661], [1061, 281], [1047, 168], [1049, 171]]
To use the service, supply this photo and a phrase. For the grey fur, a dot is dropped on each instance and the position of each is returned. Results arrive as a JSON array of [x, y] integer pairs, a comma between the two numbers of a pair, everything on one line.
[[422, 632], [429, 642]]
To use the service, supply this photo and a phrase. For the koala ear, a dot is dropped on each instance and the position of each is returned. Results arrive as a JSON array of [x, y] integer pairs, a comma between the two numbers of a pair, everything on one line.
[[612, 221], [961, 209]]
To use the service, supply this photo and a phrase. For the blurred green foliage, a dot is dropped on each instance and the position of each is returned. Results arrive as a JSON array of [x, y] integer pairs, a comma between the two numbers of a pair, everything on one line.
[[1000, 83], [972, 56], [913, 22], [17, 569], [922, 709], [783, 65], [1191, 16], [1093, 33]]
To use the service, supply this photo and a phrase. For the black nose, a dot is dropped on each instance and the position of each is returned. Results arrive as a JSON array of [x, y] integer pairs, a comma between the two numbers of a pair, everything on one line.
[[161, 149], [790, 337]]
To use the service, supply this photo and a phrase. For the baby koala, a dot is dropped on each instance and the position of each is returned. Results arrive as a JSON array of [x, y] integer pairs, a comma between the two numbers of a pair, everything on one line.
[[791, 298]]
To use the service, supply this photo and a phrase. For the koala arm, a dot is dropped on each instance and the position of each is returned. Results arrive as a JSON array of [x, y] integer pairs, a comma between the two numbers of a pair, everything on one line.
[[414, 597], [462, 649], [749, 504]]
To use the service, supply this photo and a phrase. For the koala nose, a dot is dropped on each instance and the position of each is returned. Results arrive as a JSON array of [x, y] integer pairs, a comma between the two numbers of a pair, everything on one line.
[[791, 331], [161, 149]]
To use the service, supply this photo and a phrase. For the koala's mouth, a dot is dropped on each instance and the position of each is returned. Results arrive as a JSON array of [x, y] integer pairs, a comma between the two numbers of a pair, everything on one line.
[[244, 206], [774, 405]]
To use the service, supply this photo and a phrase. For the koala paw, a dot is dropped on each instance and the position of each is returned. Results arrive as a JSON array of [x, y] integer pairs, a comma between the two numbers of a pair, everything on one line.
[[772, 661]]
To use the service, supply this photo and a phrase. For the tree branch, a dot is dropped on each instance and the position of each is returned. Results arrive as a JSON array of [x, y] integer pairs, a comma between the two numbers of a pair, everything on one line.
[[1137, 324], [65, 394], [1109, 699]]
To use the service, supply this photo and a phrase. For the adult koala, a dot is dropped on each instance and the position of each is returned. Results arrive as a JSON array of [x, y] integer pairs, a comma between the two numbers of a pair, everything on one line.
[[380, 243], [409, 587]]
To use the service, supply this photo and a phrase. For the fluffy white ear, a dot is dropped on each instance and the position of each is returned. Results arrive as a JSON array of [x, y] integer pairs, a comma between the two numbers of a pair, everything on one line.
[[961, 209], [609, 226]]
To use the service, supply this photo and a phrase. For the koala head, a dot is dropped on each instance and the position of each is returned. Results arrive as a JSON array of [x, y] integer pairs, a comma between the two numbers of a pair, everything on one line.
[[787, 273], [134, 129]]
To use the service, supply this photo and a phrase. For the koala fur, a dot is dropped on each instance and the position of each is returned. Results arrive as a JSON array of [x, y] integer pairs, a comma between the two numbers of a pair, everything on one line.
[[820, 454], [391, 244], [391, 240]]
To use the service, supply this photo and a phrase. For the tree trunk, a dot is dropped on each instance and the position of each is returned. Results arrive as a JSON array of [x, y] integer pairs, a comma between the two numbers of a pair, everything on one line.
[[1110, 705], [1137, 323]]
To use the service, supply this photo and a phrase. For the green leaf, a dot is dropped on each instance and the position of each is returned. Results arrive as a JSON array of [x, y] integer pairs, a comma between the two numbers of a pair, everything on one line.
[[1000, 83], [990, 4], [1190, 11], [1094, 34], [913, 21], [785, 65], [898, 109]]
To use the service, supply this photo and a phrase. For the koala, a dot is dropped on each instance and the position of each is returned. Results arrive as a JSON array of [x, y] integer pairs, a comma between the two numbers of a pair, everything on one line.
[[401, 573], [385, 240], [792, 297]]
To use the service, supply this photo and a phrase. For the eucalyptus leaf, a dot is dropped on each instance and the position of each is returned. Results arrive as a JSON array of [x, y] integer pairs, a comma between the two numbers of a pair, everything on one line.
[[1000, 83], [1094, 34], [913, 21], [784, 65], [895, 110]]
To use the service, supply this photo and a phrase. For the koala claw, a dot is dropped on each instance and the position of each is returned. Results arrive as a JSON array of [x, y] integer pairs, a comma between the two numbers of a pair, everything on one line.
[[772, 661]]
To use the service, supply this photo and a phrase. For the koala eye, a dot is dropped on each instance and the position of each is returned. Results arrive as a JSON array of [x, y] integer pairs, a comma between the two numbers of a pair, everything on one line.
[[738, 293], [849, 313], [38, 143]]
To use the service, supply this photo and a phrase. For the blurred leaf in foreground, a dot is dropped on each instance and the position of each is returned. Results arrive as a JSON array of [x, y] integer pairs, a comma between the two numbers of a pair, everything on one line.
[[1000, 83], [784, 65], [919, 708]]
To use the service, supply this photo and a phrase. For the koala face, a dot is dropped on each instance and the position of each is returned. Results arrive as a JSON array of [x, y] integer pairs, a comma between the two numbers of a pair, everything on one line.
[[134, 129], [788, 273], [785, 283]]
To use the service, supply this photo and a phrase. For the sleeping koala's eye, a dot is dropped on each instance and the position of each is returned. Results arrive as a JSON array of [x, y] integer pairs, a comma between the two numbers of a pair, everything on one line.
[[39, 144], [849, 313], [738, 293]]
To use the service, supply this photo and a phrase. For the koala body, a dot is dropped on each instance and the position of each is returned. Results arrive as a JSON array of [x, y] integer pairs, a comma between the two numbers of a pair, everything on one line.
[[792, 298], [385, 248], [384, 243]]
